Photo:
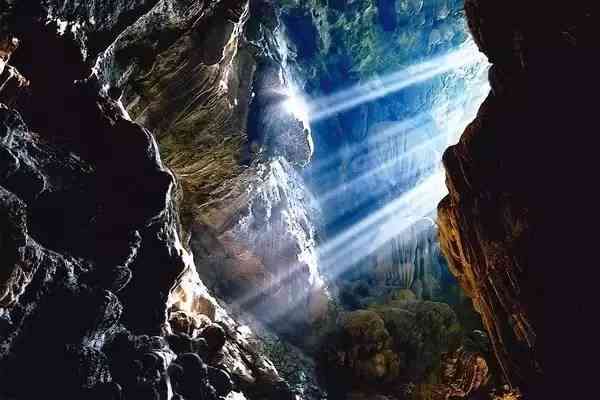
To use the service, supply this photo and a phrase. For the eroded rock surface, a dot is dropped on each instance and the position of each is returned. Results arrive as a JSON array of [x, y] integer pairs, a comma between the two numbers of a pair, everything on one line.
[[387, 348], [99, 297], [506, 227], [210, 82]]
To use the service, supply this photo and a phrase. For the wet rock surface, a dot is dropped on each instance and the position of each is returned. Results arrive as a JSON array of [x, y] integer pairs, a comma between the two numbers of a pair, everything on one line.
[[132, 173], [266, 260], [66, 282]]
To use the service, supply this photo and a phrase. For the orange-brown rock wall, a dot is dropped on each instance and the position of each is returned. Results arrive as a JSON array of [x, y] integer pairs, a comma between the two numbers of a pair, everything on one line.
[[519, 177]]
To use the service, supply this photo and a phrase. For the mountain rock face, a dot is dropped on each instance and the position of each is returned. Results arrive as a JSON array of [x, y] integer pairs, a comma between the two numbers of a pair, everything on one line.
[[100, 296], [154, 193], [506, 227], [209, 81]]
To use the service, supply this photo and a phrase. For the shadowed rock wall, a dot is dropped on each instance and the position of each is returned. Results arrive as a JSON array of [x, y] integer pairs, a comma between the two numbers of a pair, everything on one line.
[[99, 297], [508, 226]]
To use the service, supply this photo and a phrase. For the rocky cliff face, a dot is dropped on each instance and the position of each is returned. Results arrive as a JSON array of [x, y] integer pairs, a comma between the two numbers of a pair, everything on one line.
[[505, 227], [210, 82], [148, 161], [100, 296]]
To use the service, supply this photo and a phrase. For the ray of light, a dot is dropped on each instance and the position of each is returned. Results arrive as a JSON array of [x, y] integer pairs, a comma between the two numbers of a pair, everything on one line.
[[358, 241], [374, 89], [412, 202], [295, 104], [431, 144], [367, 236], [399, 216], [362, 239], [380, 138], [321, 170], [274, 285]]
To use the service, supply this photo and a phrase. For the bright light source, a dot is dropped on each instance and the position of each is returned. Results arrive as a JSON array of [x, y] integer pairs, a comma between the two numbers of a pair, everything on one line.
[[295, 105]]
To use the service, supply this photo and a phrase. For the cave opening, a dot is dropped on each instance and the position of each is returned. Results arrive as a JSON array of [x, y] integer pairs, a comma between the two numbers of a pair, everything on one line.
[[379, 130], [282, 200]]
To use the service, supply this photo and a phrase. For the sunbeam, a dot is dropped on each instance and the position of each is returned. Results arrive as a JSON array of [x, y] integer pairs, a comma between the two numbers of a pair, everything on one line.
[[296, 105], [413, 145], [376, 88], [417, 202], [357, 242], [363, 238], [427, 146], [367, 236], [427, 154], [379, 138]]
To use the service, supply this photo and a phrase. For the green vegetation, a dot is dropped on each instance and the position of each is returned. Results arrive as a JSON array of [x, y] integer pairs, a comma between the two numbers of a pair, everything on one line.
[[354, 33]]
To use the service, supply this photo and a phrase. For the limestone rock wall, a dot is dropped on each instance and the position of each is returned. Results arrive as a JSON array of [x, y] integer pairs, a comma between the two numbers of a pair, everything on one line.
[[99, 296], [210, 81]]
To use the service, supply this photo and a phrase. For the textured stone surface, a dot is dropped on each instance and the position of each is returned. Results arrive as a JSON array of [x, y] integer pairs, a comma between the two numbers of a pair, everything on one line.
[[57, 256], [184, 87], [464, 372], [387, 346], [92, 264], [93, 260], [506, 227], [11, 80], [209, 82], [369, 356]]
